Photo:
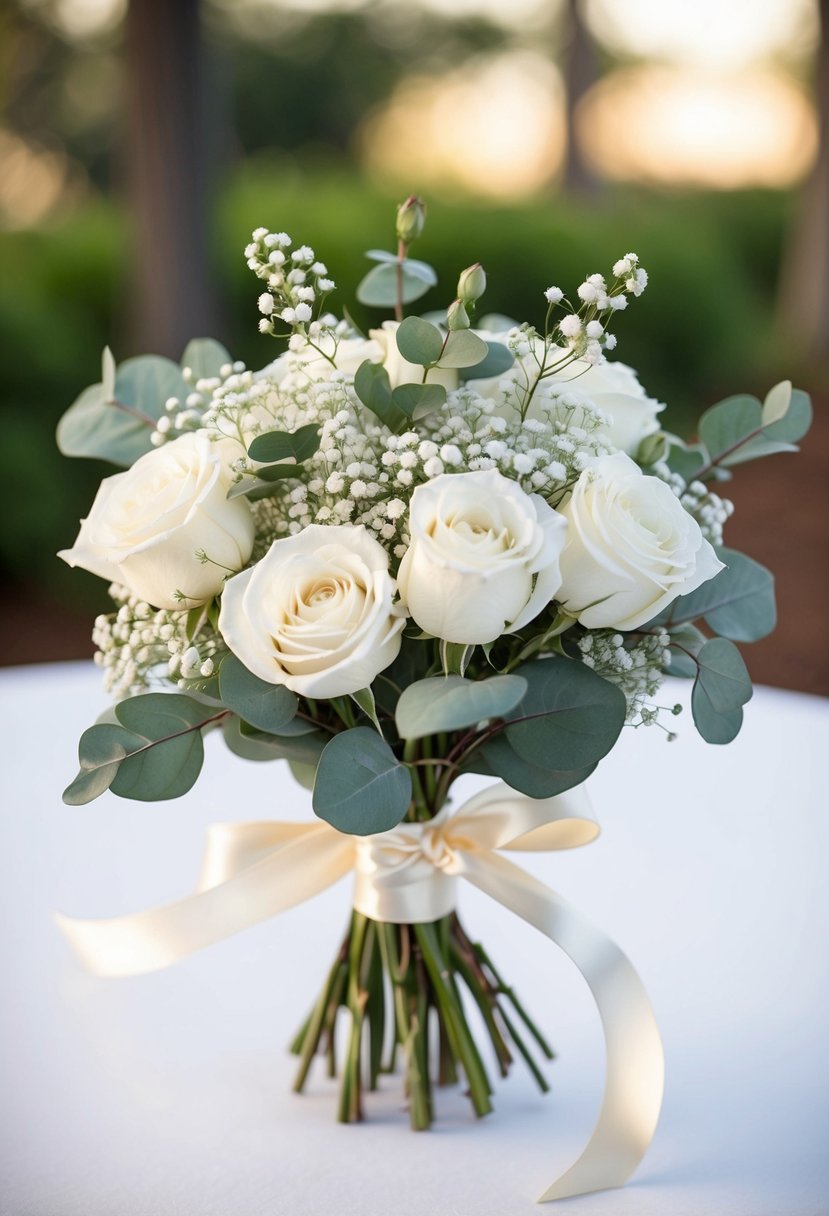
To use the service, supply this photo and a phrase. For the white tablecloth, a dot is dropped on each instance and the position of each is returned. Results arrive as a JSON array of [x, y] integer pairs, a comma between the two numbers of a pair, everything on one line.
[[170, 1093]]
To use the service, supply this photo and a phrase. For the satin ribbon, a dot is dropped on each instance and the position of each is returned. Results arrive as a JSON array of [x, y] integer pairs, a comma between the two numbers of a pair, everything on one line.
[[252, 871]]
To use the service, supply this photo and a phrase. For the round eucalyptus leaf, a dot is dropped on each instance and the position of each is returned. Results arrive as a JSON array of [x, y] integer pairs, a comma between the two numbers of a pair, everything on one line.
[[418, 341], [361, 787], [270, 707], [445, 703]]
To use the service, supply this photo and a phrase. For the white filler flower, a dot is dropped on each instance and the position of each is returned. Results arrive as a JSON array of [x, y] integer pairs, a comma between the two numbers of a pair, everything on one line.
[[316, 613], [165, 528], [631, 547], [483, 558]]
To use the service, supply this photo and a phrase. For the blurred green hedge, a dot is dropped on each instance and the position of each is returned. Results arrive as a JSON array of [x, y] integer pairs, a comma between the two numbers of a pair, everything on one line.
[[702, 330]]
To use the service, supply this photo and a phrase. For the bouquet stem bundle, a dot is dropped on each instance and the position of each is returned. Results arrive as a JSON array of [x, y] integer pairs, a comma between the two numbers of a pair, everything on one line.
[[403, 987]]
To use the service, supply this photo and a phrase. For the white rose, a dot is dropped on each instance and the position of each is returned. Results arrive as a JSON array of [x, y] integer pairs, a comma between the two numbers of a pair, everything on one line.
[[631, 547], [483, 558], [399, 369], [146, 526], [612, 387], [316, 613]]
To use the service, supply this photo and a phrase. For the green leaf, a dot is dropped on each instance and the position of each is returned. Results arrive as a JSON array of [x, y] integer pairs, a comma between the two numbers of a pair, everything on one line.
[[108, 373], [737, 603], [463, 349], [454, 657], [205, 357], [685, 459], [688, 638], [361, 788], [373, 387], [417, 400], [530, 779], [652, 449], [720, 690], [266, 706], [797, 421], [118, 429], [365, 699], [173, 752], [777, 402], [298, 445], [100, 751], [729, 423], [497, 360], [269, 473], [379, 287], [418, 341], [444, 703], [787, 413], [570, 717], [303, 774]]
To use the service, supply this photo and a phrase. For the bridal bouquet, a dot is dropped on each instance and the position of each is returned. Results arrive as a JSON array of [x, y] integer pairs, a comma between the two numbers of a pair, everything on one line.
[[455, 544]]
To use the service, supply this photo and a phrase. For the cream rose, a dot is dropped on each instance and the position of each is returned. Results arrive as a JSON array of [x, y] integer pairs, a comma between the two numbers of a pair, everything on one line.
[[147, 525], [483, 558], [399, 369], [611, 387], [631, 547], [316, 613]]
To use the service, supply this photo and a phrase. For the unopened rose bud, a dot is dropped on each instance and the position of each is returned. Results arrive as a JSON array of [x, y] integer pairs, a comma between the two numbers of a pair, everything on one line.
[[472, 283], [457, 316], [411, 219]]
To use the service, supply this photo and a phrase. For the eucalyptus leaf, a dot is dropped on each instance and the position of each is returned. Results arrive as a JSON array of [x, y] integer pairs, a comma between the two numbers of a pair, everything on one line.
[[268, 473], [304, 748], [530, 779], [496, 361], [720, 690], [686, 643], [361, 787], [266, 706], [737, 603], [777, 402], [274, 446], [463, 349], [685, 459], [101, 749], [417, 400], [172, 753], [379, 288], [796, 422], [445, 703], [205, 358], [118, 429], [570, 717], [418, 341], [373, 387]]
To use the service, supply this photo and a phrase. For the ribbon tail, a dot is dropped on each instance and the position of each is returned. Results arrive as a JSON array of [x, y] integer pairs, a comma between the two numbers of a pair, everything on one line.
[[285, 876], [635, 1064]]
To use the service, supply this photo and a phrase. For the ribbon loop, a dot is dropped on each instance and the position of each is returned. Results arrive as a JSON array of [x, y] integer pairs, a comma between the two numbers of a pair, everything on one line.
[[252, 871]]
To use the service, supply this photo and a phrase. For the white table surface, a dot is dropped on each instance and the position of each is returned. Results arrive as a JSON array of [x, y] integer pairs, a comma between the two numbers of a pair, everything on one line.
[[169, 1094]]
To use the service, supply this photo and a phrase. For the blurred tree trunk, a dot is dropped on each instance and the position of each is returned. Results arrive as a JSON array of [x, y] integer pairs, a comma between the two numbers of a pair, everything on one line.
[[580, 68], [166, 176], [804, 277]]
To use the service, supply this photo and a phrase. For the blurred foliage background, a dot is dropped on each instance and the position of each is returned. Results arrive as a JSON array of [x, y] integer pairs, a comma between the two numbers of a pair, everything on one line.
[[141, 143]]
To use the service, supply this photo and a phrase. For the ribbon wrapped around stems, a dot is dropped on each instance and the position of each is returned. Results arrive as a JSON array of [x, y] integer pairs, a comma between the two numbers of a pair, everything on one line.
[[252, 871]]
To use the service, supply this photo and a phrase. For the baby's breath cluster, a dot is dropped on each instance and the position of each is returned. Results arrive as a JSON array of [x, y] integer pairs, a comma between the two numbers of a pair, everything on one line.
[[179, 416], [635, 664], [297, 282], [585, 330], [139, 646], [709, 510]]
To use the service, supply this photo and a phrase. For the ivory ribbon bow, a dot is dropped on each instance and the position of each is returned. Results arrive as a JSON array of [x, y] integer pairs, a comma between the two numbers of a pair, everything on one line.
[[252, 871]]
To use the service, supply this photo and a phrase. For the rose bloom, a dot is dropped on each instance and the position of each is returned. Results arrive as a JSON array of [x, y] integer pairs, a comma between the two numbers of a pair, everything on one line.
[[399, 369], [316, 613], [483, 558], [612, 387], [632, 548], [146, 526]]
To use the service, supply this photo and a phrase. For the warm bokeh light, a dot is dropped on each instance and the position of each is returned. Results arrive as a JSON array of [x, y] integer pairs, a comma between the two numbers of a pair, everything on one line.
[[495, 127], [681, 125], [710, 32], [34, 182]]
